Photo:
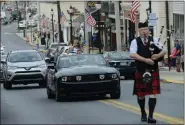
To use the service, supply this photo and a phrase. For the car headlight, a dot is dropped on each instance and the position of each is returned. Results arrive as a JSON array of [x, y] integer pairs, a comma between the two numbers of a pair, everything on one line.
[[64, 79], [12, 67], [43, 66], [102, 77], [114, 76], [78, 78]]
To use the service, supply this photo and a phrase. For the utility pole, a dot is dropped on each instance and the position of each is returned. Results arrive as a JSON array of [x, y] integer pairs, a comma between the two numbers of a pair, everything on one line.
[[25, 18], [168, 32], [38, 21], [99, 29], [60, 31], [118, 29], [150, 10], [17, 15]]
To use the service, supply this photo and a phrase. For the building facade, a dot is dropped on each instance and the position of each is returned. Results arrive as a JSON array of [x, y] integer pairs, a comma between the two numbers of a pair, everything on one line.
[[176, 14], [45, 8]]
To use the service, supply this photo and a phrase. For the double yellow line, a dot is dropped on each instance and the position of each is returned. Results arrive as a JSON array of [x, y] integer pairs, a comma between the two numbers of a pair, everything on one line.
[[136, 110]]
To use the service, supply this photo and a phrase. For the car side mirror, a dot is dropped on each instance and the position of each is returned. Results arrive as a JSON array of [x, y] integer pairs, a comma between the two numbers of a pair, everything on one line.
[[47, 60]]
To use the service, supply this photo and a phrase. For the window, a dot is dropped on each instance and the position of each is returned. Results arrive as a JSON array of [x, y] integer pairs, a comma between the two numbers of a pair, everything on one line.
[[178, 20]]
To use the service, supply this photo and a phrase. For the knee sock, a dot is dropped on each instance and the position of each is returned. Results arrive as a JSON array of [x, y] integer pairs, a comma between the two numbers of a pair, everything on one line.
[[141, 103], [151, 103]]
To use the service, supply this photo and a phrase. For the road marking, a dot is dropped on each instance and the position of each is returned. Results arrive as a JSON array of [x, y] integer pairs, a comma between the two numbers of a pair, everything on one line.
[[136, 110], [9, 33]]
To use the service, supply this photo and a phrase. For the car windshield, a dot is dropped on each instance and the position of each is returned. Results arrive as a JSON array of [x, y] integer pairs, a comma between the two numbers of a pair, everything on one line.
[[77, 60], [24, 57], [118, 55]]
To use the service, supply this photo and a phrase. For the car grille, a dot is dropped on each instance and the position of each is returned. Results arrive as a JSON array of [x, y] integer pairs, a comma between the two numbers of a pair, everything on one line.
[[34, 77], [90, 87], [133, 64], [27, 71], [89, 78]]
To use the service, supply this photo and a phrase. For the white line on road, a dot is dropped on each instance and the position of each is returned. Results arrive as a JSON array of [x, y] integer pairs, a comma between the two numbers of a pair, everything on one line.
[[9, 33]]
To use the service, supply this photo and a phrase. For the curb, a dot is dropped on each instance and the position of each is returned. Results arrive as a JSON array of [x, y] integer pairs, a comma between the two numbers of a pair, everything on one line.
[[172, 81]]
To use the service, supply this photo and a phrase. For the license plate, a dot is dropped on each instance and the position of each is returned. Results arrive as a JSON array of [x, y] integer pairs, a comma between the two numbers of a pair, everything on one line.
[[122, 77], [123, 64]]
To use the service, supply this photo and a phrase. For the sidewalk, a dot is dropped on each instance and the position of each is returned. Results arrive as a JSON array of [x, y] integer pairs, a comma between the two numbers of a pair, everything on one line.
[[31, 43], [171, 76]]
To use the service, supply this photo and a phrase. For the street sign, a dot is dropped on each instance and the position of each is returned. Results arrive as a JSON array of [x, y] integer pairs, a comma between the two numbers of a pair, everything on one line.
[[152, 19], [91, 3]]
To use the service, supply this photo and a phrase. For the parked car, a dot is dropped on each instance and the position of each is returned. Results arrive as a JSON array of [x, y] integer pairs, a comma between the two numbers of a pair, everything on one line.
[[23, 24], [24, 67], [52, 48], [32, 23], [122, 62], [83, 74]]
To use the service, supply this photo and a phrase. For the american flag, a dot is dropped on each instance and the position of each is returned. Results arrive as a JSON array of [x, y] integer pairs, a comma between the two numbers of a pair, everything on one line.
[[62, 18], [89, 19], [134, 7]]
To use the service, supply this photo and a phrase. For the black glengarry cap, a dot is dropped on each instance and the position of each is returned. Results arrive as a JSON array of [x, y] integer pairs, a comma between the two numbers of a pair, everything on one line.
[[142, 25]]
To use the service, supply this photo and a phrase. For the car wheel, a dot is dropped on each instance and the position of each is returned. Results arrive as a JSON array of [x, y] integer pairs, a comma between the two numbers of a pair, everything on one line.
[[42, 84], [4, 85], [116, 94], [50, 94], [8, 85], [57, 95]]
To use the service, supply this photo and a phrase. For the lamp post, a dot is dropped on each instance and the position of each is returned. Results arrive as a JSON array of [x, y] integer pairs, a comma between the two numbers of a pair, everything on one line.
[[71, 28], [98, 7], [52, 13]]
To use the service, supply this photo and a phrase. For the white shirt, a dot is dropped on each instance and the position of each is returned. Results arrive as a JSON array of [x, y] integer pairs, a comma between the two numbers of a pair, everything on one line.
[[133, 46]]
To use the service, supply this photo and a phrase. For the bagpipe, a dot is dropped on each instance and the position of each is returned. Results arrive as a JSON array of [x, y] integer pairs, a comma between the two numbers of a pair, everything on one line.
[[154, 49], [147, 77]]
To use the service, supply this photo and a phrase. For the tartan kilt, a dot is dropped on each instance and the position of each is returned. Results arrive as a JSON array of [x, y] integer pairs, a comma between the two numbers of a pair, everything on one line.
[[152, 88]]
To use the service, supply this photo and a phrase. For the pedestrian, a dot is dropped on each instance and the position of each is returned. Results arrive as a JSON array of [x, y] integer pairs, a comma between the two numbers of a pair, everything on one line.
[[173, 57], [37, 41], [146, 63], [182, 59], [178, 47]]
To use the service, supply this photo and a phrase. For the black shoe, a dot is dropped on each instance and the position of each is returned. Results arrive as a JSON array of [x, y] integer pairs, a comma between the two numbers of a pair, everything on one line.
[[144, 118], [151, 120]]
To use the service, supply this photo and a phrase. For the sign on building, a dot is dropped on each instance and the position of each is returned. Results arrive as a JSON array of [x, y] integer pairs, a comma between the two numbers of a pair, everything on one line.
[[152, 19], [91, 3]]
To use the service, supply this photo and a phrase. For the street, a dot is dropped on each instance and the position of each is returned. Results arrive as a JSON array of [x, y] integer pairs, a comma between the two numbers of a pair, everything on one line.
[[29, 104]]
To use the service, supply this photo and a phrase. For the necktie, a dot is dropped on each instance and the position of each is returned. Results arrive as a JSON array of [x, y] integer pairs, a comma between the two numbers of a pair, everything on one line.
[[145, 42]]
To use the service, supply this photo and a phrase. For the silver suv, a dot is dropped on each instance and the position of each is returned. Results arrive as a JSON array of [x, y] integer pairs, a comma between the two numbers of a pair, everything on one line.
[[24, 67]]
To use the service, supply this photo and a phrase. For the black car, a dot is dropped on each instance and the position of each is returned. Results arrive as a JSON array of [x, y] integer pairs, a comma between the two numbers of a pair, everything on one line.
[[52, 48], [83, 74], [122, 62]]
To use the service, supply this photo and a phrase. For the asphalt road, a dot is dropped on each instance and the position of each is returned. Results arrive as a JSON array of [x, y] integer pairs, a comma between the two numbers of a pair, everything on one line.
[[29, 104]]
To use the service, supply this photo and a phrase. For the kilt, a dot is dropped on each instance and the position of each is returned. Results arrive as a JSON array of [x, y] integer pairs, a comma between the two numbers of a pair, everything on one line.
[[152, 88]]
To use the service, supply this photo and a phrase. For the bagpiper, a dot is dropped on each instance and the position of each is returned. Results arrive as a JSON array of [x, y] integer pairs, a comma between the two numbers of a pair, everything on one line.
[[146, 81]]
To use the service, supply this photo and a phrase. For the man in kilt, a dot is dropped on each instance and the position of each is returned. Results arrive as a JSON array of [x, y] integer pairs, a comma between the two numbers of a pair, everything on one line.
[[139, 50]]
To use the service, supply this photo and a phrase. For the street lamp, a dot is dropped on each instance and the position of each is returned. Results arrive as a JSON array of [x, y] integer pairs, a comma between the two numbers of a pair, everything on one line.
[[52, 13], [71, 28], [98, 7]]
